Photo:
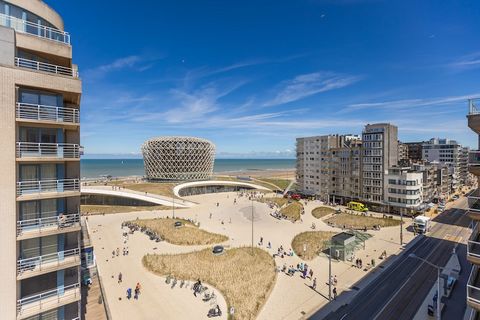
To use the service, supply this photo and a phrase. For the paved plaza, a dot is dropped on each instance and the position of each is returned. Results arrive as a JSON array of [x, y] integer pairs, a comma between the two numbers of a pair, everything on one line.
[[291, 298]]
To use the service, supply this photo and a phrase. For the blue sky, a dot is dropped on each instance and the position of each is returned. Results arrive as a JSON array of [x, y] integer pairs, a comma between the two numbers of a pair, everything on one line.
[[253, 75]]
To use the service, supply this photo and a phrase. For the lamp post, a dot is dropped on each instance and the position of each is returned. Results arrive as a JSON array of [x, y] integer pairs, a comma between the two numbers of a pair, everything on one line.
[[252, 223], [439, 269], [173, 207]]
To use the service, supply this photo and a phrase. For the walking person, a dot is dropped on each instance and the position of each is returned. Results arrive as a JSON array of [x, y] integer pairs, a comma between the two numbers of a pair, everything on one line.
[[129, 293], [334, 293], [314, 284], [120, 277], [310, 274]]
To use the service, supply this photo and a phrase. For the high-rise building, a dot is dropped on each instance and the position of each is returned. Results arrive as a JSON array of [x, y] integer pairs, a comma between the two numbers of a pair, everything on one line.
[[379, 152], [40, 189], [313, 167], [344, 182]]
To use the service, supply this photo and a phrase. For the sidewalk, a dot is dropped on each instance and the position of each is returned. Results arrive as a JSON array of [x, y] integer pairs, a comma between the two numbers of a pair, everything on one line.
[[452, 268], [348, 295]]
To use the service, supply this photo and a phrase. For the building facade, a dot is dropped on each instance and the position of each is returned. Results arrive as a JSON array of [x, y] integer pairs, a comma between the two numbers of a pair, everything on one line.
[[313, 165], [178, 158], [473, 247], [449, 152], [40, 159], [404, 194], [379, 152]]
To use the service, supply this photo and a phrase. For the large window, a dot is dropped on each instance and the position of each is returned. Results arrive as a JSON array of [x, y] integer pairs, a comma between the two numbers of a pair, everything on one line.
[[40, 98]]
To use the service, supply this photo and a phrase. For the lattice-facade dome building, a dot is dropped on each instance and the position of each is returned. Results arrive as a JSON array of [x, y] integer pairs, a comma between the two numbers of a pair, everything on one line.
[[178, 158]]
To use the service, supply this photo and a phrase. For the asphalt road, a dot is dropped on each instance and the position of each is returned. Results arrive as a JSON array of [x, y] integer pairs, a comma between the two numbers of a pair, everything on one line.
[[401, 289]]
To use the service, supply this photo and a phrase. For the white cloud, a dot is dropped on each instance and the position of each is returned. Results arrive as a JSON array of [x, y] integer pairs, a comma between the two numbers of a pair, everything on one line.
[[306, 85], [469, 61], [408, 104]]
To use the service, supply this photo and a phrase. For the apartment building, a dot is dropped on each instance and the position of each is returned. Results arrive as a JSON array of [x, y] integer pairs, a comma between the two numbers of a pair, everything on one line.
[[473, 247], [40, 189], [402, 152], [404, 190], [379, 152], [449, 152], [414, 150], [313, 167], [345, 170]]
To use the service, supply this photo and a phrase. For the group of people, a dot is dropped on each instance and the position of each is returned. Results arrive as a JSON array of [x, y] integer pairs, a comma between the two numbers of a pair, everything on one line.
[[136, 292], [281, 252], [359, 263]]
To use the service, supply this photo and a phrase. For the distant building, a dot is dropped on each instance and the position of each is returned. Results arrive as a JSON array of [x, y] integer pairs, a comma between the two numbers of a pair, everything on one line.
[[414, 150], [178, 158], [446, 151], [402, 151]]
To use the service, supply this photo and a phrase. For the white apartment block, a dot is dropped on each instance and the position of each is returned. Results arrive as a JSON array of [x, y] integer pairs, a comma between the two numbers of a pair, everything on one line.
[[404, 190]]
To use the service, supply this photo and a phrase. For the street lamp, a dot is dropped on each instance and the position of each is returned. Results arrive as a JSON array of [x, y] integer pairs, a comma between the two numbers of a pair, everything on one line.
[[439, 269]]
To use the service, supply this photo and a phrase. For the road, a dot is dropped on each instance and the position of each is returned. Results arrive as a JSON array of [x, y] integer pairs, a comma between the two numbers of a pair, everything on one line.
[[401, 289]]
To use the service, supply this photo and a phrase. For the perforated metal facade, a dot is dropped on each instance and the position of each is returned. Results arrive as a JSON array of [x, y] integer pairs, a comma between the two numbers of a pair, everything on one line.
[[178, 158]]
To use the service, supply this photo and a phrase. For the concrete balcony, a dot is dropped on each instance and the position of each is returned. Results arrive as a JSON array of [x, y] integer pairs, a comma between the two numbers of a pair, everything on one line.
[[45, 189], [34, 29], [47, 300], [474, 115], [32, 151], [473, 289], [41, 227], [33, 113], [46, 67], [31, 267], [473, 247], [474, 162], [474, 204]]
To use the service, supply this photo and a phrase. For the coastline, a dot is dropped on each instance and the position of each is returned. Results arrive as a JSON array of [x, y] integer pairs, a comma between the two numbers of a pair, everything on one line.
[[99, 169]]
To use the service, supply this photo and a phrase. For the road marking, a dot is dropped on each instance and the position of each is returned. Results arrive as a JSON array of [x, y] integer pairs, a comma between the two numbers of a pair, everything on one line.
[[411, 275]]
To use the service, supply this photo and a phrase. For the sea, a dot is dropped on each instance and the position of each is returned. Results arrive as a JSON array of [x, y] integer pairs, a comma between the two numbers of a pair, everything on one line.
[[95, 168]]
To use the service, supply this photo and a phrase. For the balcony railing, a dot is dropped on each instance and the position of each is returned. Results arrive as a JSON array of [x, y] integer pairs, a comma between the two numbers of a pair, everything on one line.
[[43, 224], [472, 107], [47, 261], [30, 111], [473, 288], [45, 67], [474, 158], [48, 299], [48, 150], [473, 247], [40, 186], [34, 29]]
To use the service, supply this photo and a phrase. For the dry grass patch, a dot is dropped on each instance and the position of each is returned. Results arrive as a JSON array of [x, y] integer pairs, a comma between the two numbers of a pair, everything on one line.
[[245, 280], [159, 188], [188, 234], [314, 240], [292, 211], [281, 184], [104, 209], [321, 212], [278, 201], [359, 221]]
